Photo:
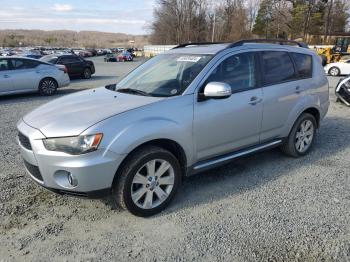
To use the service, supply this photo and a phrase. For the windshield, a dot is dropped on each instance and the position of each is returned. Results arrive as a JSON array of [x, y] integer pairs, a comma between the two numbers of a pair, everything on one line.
[[164, 75]]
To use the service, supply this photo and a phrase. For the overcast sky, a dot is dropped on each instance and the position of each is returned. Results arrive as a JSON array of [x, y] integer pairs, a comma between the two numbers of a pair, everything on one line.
[[119, 16]]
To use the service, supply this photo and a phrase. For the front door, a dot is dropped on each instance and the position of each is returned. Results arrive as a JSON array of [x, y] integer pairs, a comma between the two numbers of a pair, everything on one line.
[[226, 125]]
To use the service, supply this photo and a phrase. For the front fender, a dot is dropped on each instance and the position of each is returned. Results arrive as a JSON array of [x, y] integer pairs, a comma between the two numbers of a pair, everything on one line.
[[170, 119], [150, 129]]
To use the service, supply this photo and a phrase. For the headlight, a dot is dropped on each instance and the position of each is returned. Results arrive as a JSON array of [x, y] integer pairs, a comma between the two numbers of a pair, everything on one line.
[[74, 145]]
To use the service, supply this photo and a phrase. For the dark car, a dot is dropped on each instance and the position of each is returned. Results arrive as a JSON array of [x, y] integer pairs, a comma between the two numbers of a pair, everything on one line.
[[110, 58], [342, 90], [92, 51], [76, 65]]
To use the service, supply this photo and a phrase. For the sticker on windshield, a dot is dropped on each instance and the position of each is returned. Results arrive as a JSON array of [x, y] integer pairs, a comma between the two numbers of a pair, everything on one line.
[[193, 59]]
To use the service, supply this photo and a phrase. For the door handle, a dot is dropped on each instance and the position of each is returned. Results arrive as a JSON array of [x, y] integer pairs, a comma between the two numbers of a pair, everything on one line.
[[254, 100], [6, 76], [297, 90]]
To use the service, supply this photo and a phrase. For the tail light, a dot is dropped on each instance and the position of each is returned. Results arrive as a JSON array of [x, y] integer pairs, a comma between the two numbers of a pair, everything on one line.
[[64, 69]]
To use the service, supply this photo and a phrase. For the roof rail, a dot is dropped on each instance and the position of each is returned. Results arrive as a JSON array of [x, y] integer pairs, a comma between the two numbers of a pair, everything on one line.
[[202, 43], [275, 41]]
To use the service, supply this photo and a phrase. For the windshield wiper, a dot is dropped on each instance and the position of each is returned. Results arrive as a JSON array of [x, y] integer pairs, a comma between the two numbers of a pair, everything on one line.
[[133, 91]]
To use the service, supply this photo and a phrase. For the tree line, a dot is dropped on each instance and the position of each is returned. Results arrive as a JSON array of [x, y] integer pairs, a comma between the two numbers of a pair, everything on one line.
[[67, 38], [313, 21]]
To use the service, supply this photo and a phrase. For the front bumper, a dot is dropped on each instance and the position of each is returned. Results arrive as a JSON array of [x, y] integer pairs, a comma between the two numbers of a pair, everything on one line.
[[91, 173]]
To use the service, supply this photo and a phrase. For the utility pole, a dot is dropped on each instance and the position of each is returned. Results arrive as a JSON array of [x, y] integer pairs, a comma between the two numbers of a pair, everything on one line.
[[213, 32]]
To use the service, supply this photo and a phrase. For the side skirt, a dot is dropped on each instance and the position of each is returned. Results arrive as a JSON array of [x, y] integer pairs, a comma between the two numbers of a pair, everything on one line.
[[223, 159]]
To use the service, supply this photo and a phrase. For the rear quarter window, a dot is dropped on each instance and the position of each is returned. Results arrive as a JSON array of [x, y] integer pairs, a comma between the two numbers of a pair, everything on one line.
[[303, 64]]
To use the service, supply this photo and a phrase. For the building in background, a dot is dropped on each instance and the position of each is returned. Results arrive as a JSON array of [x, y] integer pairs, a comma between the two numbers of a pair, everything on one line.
[[153, 50]]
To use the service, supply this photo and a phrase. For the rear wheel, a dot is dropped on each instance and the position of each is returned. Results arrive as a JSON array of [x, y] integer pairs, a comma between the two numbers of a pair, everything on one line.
[[334, 71], [87, 73], [48, 87], [301, 137], [147, 181]]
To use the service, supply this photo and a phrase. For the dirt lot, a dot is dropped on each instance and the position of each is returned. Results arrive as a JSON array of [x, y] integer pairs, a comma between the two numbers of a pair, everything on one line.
[[263, 207]]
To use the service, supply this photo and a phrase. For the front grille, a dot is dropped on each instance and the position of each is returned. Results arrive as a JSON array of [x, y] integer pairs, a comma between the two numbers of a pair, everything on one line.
[[33, 170], [24, 141]]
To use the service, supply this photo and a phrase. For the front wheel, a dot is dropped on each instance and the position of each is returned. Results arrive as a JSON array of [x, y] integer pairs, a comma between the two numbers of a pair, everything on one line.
[[301, 137], [147, 181]]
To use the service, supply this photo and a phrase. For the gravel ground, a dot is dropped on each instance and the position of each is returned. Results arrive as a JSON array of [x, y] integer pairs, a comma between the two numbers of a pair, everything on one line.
[[262, 207]]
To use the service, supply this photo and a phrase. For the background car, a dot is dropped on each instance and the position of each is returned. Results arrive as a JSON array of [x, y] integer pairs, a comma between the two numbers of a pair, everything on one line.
[[338, 68], [125, 56], [76, 66], [110, 58], [21, 75]]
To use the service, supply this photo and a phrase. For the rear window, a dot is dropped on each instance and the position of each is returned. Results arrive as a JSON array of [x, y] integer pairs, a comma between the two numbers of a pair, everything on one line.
[[304, 64], [49, 59], [24, 63], [278, 67]]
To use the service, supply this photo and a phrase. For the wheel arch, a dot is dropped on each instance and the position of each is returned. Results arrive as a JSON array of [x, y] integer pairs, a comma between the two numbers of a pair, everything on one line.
[[47, 77], [315, 113], [172, 146]]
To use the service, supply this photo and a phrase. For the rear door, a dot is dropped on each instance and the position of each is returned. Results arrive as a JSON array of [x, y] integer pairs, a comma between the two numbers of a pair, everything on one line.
[[24, 74], [6, 81], [281, 92]]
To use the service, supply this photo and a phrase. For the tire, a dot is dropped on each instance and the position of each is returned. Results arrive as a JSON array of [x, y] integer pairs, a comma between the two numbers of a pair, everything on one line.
[[334, 71], [300, 142], [142, 194], [48, 86], [87, 73]]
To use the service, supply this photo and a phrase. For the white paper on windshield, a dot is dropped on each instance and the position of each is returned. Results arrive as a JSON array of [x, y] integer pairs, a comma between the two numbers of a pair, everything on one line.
[[193, 59]]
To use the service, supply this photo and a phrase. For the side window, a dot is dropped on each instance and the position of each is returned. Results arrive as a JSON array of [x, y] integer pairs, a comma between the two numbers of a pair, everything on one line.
[[304, 64], [24, 64], [30, 64], [17, 64], [65, 60], [278, 67], [75, 59], [238, 71], [4, 64]]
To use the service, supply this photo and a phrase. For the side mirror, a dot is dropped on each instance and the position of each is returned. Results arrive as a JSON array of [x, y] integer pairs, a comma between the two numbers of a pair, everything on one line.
[[216, 90]]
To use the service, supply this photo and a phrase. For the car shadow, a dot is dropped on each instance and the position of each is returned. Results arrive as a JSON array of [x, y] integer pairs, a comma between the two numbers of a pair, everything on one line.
[[16, 98], [253, 171]]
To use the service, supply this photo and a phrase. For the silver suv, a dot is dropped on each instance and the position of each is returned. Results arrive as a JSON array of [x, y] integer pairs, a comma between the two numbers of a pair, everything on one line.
[[179, 113]]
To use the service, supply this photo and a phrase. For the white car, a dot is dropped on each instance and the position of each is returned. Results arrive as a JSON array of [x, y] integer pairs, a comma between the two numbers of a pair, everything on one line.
[[22, 75], [338, 68]]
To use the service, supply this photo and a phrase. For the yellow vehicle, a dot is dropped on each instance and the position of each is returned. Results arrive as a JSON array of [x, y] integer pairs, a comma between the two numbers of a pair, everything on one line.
[[336, 53]]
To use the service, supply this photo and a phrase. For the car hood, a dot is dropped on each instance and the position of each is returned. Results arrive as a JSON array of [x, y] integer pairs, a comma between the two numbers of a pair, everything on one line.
[[72, 114]]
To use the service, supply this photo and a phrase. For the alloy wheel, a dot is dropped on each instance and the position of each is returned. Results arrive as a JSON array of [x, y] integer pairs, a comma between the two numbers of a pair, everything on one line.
[[48, 87], [334, 71], [304, 136], [152, 184]]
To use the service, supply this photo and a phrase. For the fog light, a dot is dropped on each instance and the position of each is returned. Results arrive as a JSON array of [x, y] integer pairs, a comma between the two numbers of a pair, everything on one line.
[[72, 180]]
